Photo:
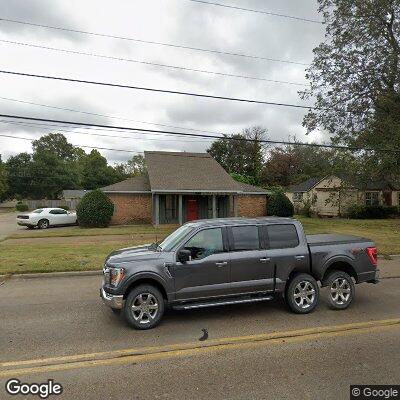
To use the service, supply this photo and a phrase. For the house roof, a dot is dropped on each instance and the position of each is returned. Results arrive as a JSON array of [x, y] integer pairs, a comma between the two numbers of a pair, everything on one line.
[[138, 184], [251, 189], [305, 186], [181, 171]]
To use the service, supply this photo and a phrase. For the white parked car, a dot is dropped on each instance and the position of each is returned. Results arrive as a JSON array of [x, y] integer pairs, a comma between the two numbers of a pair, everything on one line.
[[45, 217]]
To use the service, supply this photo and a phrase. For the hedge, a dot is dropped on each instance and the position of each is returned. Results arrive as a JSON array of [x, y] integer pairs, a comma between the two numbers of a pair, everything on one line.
[[372, 212], [95, 210], [279, 205]]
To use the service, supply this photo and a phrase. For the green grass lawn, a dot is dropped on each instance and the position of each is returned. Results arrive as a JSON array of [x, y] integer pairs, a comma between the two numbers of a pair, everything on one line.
[[83, 248]]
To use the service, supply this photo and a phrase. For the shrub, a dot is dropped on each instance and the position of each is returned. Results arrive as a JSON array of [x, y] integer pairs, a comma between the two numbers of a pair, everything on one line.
[[66, 208], [306, 209], [371, 212], [95, 210], [279, 205], [21, 206]]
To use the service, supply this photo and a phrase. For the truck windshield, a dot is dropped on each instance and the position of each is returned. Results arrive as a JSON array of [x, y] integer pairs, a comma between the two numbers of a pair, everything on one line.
[[175, 237]]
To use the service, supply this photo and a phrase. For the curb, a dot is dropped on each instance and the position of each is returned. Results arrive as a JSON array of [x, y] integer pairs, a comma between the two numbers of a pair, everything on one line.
[[51, 275]]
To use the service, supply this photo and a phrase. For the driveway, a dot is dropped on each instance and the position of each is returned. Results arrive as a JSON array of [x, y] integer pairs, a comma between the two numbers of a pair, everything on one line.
[[8, 226]]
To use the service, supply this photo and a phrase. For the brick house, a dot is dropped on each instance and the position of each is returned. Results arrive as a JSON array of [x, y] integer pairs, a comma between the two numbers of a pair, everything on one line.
[[181, 187]]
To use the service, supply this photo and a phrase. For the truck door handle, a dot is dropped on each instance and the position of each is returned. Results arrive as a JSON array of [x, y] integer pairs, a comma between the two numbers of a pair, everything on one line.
[[299, 257], [221, 264], [265, 259]]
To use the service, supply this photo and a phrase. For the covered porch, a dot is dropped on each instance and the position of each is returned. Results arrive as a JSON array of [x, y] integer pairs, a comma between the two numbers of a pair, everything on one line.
[[180, 208]]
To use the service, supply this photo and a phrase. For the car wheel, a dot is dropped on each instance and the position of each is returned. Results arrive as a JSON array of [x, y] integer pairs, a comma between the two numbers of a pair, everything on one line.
[[341, 290], [302, 294], [144, 307], [43, 224]]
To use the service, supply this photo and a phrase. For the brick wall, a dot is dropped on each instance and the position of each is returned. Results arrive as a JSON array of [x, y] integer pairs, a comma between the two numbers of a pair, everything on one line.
[[131, 208], [251, 205]]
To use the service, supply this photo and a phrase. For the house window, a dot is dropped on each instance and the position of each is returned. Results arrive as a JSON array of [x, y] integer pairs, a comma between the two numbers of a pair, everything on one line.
[[371, 198], [297, 196]]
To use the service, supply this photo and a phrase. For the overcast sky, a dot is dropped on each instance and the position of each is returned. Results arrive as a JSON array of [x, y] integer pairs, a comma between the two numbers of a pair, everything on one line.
[[171, 21]]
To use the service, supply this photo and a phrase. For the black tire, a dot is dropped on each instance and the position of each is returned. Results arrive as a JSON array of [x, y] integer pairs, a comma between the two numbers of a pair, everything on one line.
[[43, 224], [341, 290], [302, 294], [153, 309]]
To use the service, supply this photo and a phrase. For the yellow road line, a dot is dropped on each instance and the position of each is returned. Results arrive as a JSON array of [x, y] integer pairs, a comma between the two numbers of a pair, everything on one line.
[[146, 354]]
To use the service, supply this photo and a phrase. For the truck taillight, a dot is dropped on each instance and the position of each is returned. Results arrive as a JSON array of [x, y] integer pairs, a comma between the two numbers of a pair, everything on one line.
[[373, 255]]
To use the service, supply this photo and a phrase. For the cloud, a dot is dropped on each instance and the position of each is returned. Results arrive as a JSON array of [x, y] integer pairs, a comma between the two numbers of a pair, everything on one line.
[[171, 21], [44, 12]]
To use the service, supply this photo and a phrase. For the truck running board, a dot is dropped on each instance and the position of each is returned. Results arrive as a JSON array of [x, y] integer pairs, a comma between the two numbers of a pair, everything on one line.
[[223, 302]]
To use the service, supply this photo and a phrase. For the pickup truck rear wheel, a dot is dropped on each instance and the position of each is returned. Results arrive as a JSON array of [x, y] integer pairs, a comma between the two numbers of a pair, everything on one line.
[[302, 294], [144, 307], [341, 290]]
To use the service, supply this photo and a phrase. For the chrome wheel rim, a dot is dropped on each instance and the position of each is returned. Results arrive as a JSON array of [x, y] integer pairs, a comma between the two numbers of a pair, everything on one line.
[[144, 308], [43, 224], [304, 294], [340, 291]]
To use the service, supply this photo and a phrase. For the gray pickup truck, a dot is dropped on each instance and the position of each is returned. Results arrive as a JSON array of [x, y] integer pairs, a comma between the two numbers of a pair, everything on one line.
[[229, 261]]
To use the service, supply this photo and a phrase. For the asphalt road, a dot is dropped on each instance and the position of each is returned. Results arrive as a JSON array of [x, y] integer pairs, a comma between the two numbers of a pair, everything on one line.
[[57, 328]]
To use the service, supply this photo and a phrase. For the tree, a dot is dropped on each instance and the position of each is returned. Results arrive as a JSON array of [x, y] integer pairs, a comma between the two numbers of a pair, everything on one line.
[[57, 144], [95, 172], [3, 181], [354, 77], [19, 169], [136, 165], [241, 153], [295, 163]]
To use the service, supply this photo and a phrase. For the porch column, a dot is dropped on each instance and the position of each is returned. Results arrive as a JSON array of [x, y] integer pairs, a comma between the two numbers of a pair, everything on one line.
[[214, 206], [180, 209], [157, 209], [235, 211]]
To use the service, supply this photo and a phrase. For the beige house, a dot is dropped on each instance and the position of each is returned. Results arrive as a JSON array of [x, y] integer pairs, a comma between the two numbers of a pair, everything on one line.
[[331, 196]]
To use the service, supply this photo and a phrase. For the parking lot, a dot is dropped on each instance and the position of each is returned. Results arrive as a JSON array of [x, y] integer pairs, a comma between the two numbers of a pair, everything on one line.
[[58, 328]]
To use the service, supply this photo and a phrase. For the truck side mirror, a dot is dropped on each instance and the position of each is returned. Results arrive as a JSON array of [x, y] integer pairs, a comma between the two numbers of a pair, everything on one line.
[[184, 256]]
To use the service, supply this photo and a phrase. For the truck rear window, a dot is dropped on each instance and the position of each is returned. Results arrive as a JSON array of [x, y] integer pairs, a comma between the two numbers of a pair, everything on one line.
[[282, 236]]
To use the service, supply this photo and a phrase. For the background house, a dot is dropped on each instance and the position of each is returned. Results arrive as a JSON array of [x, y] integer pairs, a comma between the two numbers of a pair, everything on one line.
[[181, 187], [331, 196]]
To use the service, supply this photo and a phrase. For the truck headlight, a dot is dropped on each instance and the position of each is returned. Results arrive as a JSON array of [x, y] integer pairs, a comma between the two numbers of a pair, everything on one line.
[[116, 276]]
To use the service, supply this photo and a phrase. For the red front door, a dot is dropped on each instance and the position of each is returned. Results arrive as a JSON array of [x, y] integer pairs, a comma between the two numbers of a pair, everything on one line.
[[192, 209]]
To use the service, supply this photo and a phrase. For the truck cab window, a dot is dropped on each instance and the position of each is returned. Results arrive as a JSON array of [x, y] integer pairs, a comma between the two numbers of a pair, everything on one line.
[[205, 243], [245, 238], [282, 236]]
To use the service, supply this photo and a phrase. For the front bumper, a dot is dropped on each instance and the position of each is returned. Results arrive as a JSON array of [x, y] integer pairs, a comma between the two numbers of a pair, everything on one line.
[[112, 300]]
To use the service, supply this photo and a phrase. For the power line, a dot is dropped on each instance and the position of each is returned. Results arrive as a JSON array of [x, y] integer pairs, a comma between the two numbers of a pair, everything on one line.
[[32, 124], [208, 96], [186, 69], [257, 11], [104, 115], [89, 147], [146, 131], [178, 46]]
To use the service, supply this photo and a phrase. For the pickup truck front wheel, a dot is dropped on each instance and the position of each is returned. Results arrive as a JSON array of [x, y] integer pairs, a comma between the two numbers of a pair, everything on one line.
[[302, 294], [341, 290], [144, 307]]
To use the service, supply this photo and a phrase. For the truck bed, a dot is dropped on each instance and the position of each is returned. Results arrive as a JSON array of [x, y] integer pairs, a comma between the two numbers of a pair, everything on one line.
[[326, 239]]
